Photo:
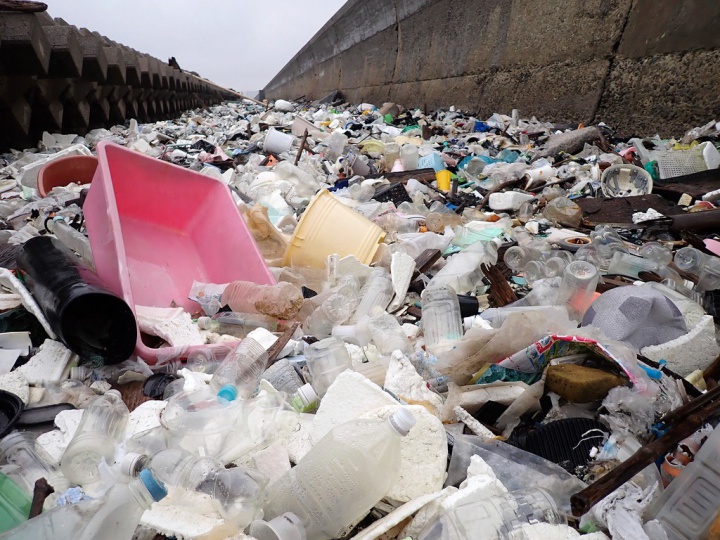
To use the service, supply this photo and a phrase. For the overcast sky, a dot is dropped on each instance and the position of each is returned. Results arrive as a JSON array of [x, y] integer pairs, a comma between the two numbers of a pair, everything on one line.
[[234, 43]]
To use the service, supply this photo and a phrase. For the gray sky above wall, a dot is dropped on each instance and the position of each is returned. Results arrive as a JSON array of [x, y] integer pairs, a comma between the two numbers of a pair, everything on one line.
[[234, 43]]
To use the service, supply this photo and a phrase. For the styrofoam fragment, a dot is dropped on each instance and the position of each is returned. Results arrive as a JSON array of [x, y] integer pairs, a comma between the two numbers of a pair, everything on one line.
[[395, 518], [425, 514], [695, 350], [423, 454], [16, 383], [296, 433], [272, 461], [145, 416], [49, 364], [55, 442], [182, 521], [148, 316], [481, 483], [100, 387], [179, 332], [36, 395], [402, 379], [473, 425], [349, 396], [401, 269]]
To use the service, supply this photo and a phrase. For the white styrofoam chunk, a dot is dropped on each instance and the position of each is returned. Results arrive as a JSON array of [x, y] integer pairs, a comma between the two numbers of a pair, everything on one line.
[[695, 350], [402, 379], [16, 383], [55, 442], [145, 416], [350, 396], [272, 461], [296, 433], [179, 332], [175, 516], [49, 364], [401, 269], [423, 454]]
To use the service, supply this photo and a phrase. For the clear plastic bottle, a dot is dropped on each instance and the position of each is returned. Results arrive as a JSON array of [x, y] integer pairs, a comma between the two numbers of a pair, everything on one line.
[[577, 289], [281, 301], [115, 516], [441, 319], [240, 372], [463, 271], [630, 265], [101, 428], [437, 221], [656, 252], [410, 157], [689, 259], [341, 478], [23, 463], [335, 143], [516, 258], [336, 309], [326, 359], [305, 399], [392, 154], [237, 324], [235, 492], [495, 518], [377, 291]]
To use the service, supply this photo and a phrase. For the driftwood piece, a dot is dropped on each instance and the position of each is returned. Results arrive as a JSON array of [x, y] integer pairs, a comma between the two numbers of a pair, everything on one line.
[[501, 294]]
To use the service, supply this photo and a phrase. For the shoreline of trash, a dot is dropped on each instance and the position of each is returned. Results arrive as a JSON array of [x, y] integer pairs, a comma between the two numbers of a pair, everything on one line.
[[322, 320]]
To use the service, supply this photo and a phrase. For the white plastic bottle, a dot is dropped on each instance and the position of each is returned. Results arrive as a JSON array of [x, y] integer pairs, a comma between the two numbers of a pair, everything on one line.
[[239, 373], [377, 291], [441, 320], [340, 479], [410, 157], [112, 517], [101, 428]]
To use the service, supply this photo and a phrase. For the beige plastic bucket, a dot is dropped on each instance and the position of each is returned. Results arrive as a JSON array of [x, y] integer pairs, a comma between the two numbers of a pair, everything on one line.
[[327, 227]]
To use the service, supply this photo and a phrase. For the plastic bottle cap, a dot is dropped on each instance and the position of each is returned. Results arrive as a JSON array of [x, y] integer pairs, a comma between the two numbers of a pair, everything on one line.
[[402, 421], [115, 393], [128, 465], [307, 394], [155, 488], [228, 392], [285, 527], [204, 322]]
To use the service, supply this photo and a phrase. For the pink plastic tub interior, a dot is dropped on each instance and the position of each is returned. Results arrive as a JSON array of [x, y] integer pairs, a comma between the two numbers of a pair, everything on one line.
[[155, 227]]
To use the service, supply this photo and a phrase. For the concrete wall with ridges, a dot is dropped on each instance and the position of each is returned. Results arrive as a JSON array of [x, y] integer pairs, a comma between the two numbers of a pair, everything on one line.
[[639, 65], [58, 78]]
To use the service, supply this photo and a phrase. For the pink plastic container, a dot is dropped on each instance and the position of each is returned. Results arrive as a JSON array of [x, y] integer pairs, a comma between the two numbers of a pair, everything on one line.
[[155, 227]]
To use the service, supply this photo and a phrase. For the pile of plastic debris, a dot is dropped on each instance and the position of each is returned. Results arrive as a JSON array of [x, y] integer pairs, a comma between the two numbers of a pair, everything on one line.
[[337, 321]]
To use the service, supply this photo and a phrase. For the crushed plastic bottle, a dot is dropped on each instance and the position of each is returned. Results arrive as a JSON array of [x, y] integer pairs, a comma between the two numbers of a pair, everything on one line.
[[341, 477], [240, 371], [282, 301], [101, 428]]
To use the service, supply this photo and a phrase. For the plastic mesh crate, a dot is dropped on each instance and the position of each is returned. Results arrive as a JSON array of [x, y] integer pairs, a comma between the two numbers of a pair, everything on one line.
[[672, 163]]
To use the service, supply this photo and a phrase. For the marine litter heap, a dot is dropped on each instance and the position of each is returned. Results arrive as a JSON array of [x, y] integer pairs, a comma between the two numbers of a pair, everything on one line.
[[322, 320]]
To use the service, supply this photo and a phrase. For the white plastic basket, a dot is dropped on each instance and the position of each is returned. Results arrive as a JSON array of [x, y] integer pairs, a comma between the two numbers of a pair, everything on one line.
[[673, 163]]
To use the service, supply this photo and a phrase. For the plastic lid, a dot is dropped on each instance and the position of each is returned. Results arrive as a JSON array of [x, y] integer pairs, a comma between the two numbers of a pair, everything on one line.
[[155, 488], [228, 392], [307, 394], [402, 421], [129, 464], [285, 527]]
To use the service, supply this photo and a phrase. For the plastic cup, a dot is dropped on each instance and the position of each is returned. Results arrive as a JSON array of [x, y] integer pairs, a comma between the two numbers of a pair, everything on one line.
[[316, 236], [443, 180], [278, 142]]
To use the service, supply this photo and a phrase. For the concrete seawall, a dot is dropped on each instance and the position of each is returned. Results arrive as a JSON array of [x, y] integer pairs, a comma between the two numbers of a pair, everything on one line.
[[641, 66], [59, 78]]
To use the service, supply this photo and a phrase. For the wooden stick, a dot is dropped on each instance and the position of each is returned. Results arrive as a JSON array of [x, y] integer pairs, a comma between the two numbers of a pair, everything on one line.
[[685, 425], [41, 492], [302, 147], [279, 345], [500, 291]]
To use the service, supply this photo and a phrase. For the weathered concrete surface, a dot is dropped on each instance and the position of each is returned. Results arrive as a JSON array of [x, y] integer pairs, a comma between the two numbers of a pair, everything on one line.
[[640, 65]]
